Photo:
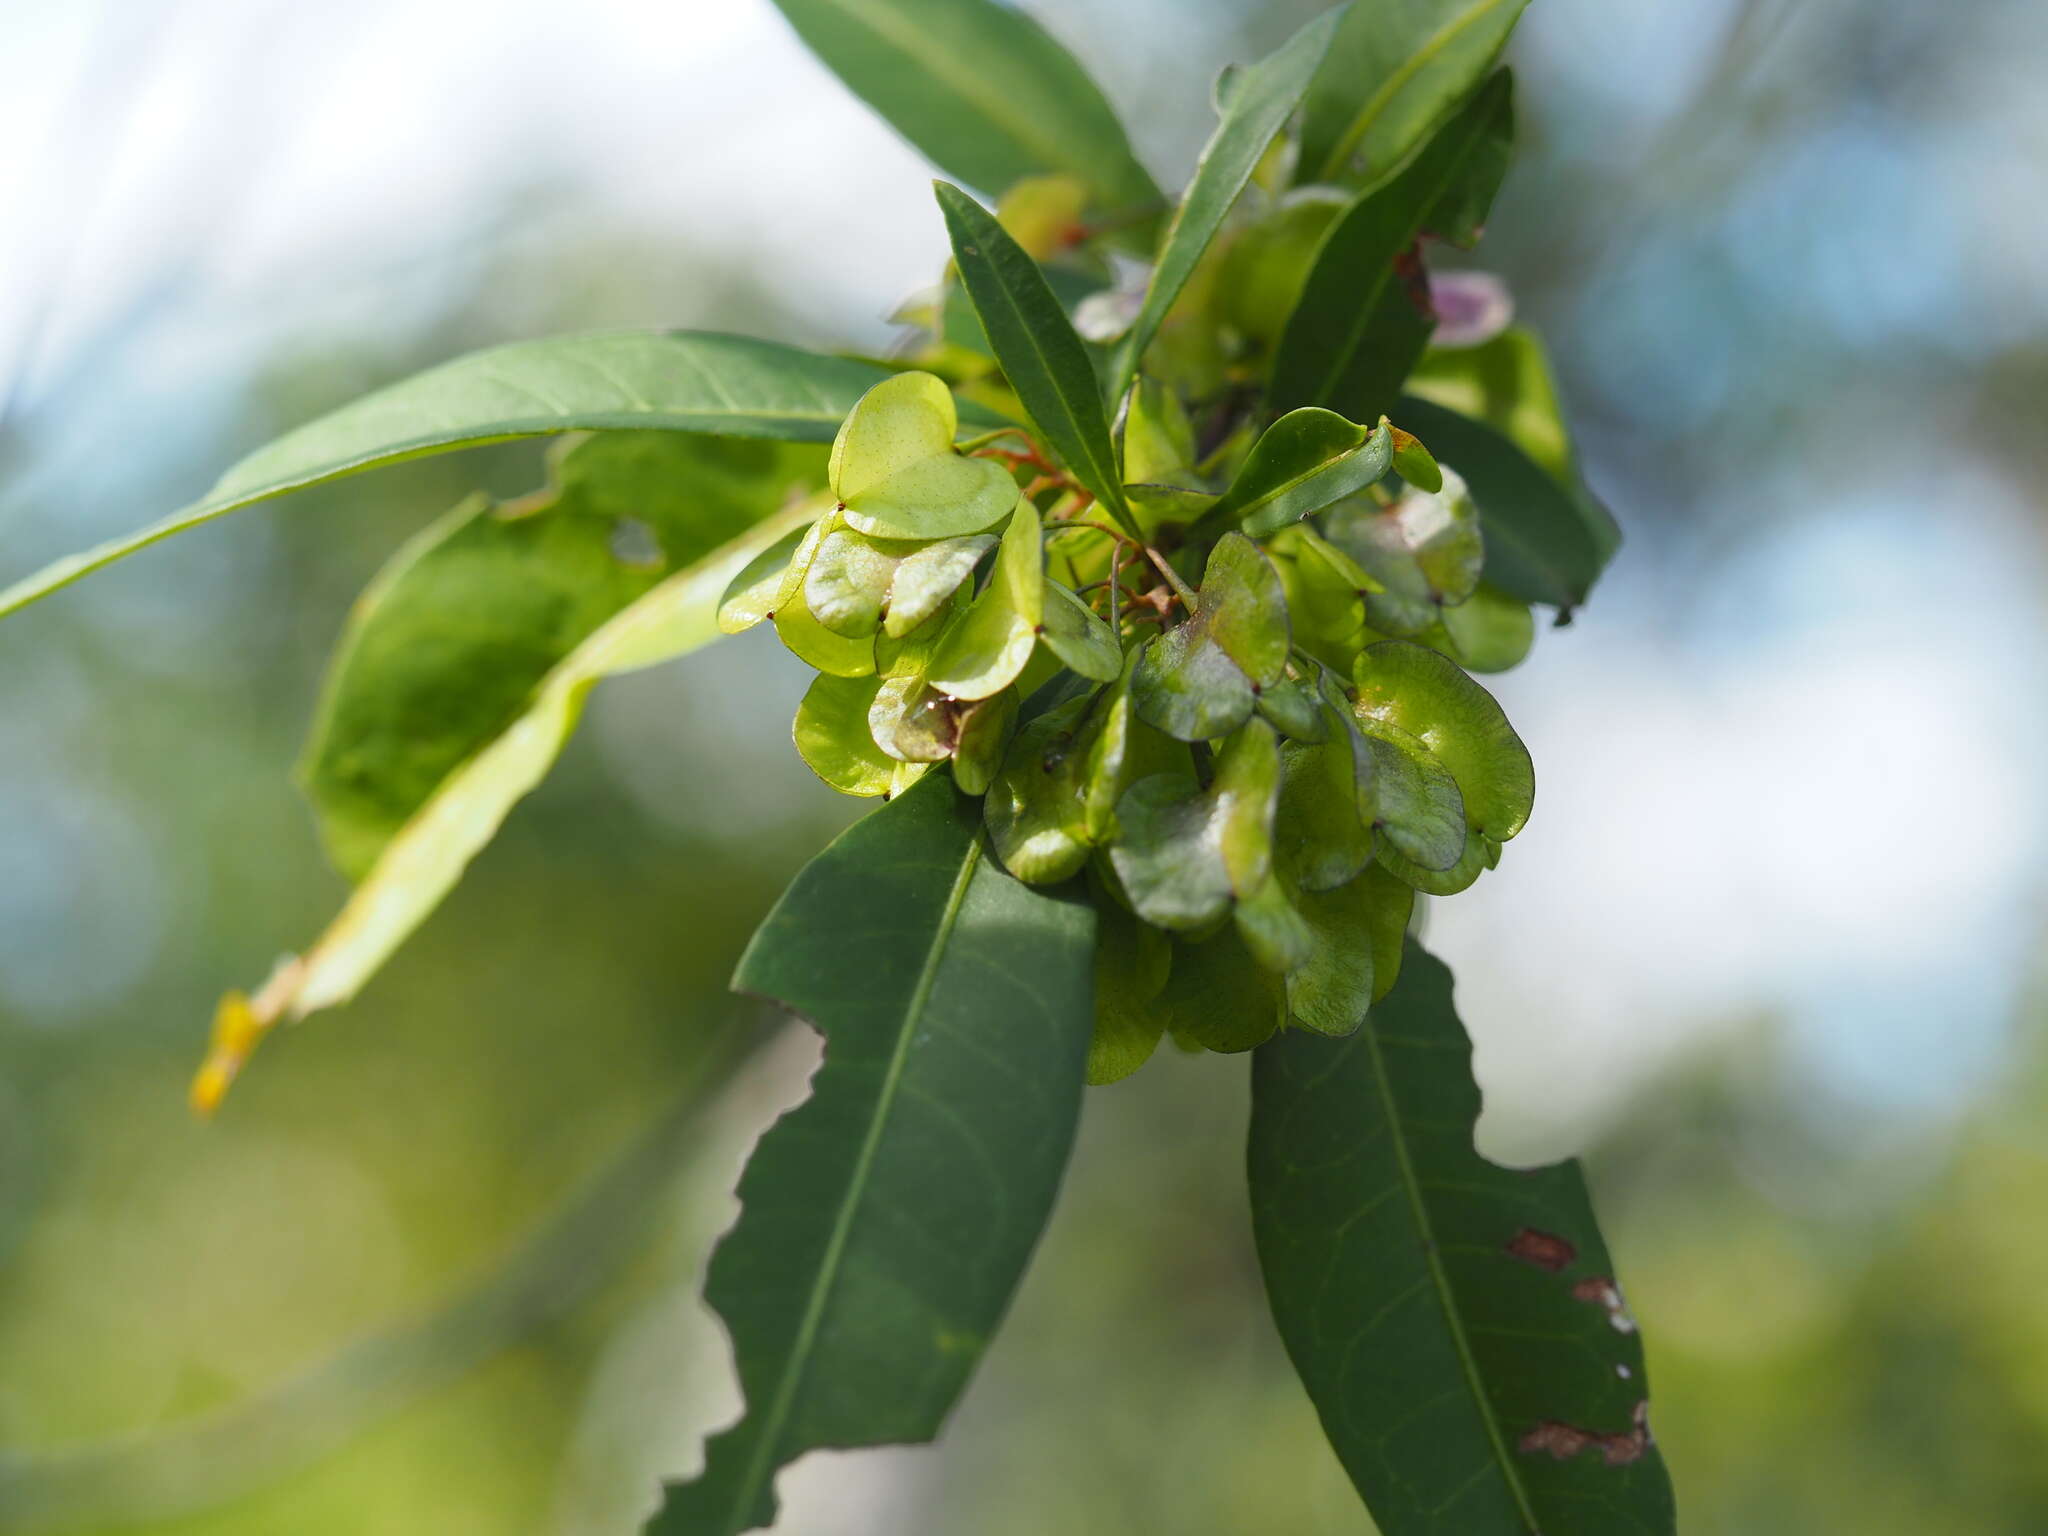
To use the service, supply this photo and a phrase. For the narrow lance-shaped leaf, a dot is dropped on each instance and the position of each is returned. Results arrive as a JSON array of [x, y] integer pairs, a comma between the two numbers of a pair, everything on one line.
[[1396, 69], [980, 88], [1044, 359], [679, 381], [1356, 330], [1261, 99], [885, 1223], [421, 864], [1457, 1324]]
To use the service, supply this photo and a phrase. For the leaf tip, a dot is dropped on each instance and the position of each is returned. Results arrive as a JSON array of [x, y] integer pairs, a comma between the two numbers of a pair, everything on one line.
[[239, 1024]]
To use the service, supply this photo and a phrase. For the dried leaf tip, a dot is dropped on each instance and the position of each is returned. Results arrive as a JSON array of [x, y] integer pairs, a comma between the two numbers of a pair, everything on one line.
[[239, 1025]]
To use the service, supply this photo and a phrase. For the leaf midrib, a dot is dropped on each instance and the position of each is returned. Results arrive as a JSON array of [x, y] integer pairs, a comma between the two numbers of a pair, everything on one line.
[[1439, 1278], [1109, 487], [1362, 316], [907, 40], [1248, 103], [1369, 113], [765, 1445]]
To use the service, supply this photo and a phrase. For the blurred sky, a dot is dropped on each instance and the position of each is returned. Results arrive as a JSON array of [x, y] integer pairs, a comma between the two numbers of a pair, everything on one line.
[[1787, 257]]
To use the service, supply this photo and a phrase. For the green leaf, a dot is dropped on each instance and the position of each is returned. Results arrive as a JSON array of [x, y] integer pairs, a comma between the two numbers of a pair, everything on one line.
[[1046, 363], [1321, 838], [834, 739], [979, 88], [1218, 997], [1546, 542], [928, 577], [1199, 680], [1430, 697], [445, 648], [1132, 962], [1293, 707], [1356, 330], [846, 584], [1415, 464], [1271, 928], [988, 649], [1457, 1324], [1505, 383], [1034, 810], [827, 650], [678, 381], [1395, 70], [1424, 551], [1326, 593], [1479, 854], [1307, 460], [894, 471], [982, 734], [1262, 98], [1416, 806], [752, 595], [1079, 636], [421, 864], [1158, 440], [936, 498], [908, 719], [1184, 853], [1355, 950], [902, 421], [1489, 631], [884, 1224]]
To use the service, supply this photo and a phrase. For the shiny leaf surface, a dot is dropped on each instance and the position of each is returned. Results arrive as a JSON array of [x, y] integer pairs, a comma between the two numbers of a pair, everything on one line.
[[1394, 71], [979, 87], [1458, 1324], [1546, 542], [1357, 330], [986, 651], [1262, 98], [1184, 852], [1198, 680], [1418, 691], [678, 381], [1307, 460], [885, 1222], [1045, 361]]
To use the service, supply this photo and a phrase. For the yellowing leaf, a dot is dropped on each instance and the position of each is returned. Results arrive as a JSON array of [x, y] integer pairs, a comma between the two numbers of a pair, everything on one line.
[[934, 498], [421, 864], [984, 653], [905, 418]]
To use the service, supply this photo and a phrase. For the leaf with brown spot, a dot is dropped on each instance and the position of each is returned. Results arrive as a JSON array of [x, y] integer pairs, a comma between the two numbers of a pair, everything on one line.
[[1435, 1304], [1546, 1250]]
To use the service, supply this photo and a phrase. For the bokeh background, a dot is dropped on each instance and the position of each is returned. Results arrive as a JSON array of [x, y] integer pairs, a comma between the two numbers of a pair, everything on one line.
[[1768, 954]]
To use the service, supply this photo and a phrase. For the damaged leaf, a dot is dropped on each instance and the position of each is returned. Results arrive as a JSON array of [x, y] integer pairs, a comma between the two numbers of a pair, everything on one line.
[[1464, 1387], [947, 1102]]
